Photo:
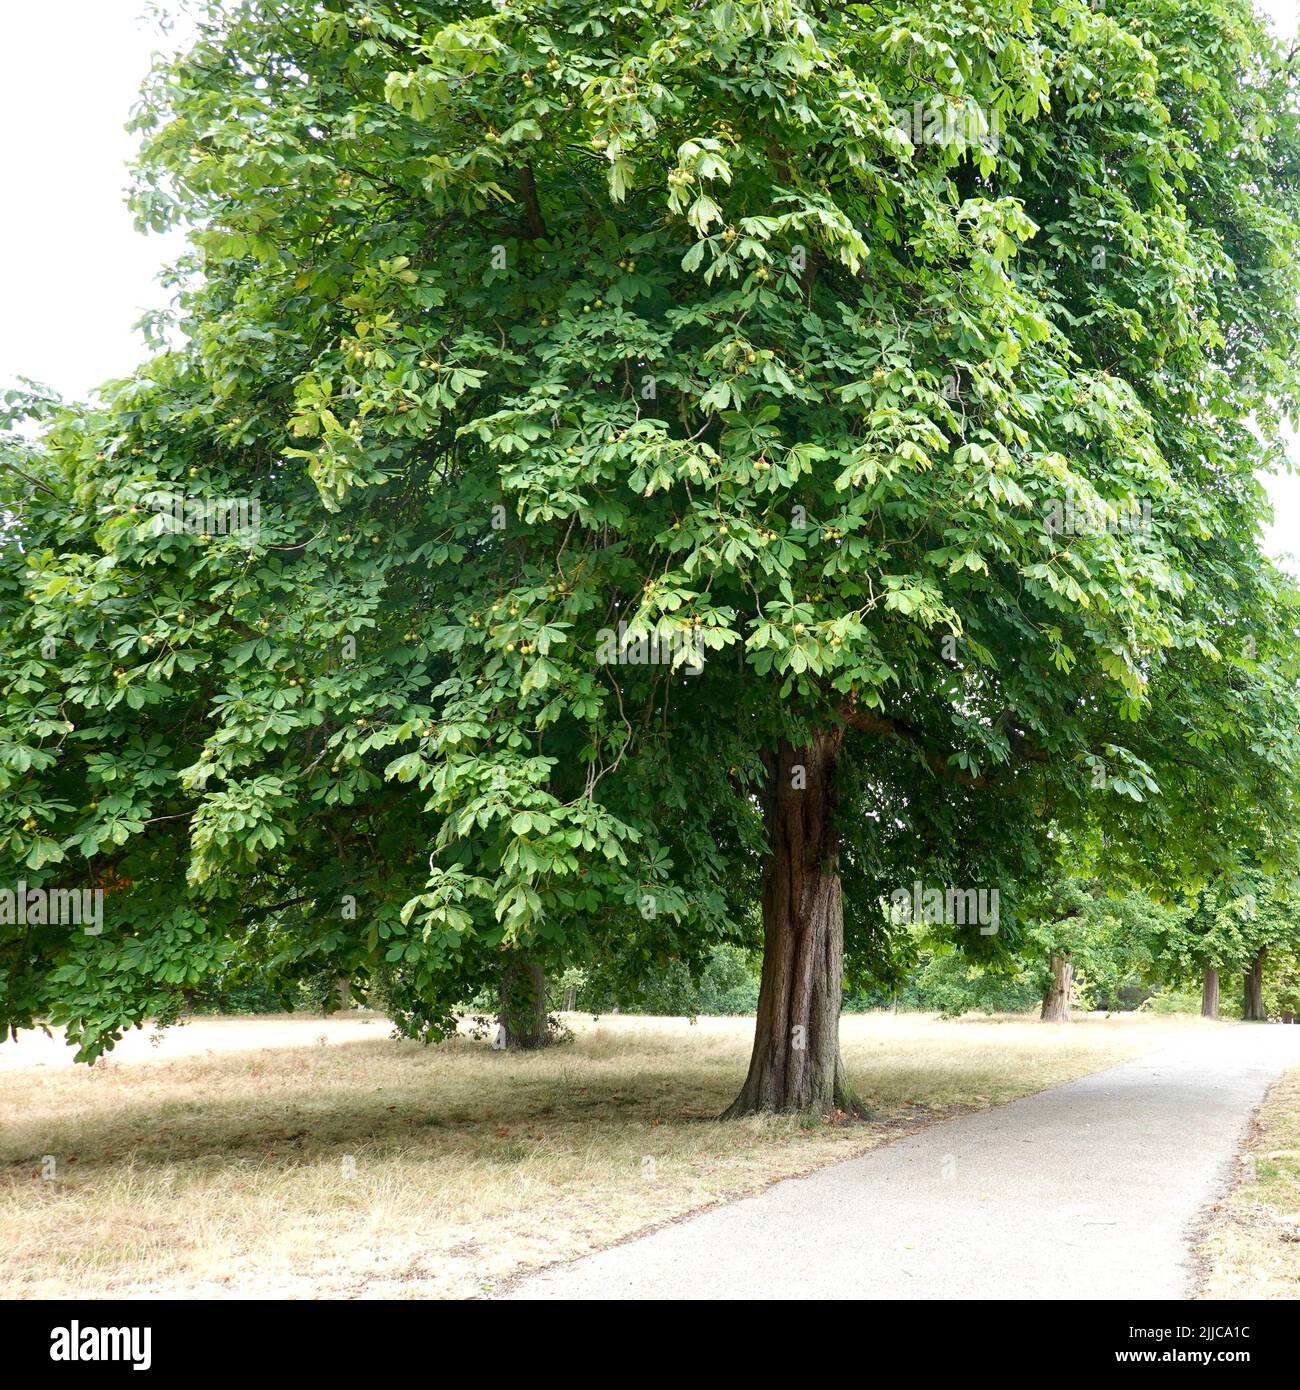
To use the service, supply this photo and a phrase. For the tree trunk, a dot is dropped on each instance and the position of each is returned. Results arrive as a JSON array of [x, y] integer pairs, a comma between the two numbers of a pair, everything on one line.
[[795, 1065], [344, 991], [1056, 1002], [1210, 992], [522, 1014], [1252, 1008]]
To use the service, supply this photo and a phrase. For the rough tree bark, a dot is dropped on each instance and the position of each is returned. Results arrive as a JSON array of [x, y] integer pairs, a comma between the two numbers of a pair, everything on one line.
[[796, 1065], [521, 1014], [1252, 1005], [1210, 992], [1056, 1002]]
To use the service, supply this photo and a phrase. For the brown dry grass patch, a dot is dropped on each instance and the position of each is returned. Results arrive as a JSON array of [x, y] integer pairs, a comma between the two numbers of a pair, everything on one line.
[[377, 1167], [1251, 1247]]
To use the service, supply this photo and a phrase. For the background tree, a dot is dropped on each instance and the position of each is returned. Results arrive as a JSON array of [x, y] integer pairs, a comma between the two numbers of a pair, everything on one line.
[[1230, 926], [1092, 942], [523, 1017]]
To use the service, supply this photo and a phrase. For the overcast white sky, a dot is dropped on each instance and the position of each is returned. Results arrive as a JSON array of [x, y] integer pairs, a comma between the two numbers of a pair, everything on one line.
[[75, 274]]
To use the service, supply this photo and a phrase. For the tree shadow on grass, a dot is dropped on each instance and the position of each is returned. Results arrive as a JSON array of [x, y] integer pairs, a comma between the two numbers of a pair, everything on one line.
[[371, 1096]]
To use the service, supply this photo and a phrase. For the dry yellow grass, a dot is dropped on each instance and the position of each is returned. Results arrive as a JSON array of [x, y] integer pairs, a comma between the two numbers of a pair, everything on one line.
[[1252, 1245], [382, 1168]]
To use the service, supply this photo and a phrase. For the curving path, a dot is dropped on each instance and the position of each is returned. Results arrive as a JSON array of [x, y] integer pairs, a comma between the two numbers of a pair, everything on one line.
[[1091, 1190]]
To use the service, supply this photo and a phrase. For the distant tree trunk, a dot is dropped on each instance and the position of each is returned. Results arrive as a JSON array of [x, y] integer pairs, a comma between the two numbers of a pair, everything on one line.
[[522, 1013], [1210, 992], [1252, 1007], [1056, 1001], [795, 1065], [345, 992]]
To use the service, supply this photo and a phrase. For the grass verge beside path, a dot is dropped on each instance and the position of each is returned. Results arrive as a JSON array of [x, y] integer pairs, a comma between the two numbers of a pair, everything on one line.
[[1251, 1247], [379, 1168]]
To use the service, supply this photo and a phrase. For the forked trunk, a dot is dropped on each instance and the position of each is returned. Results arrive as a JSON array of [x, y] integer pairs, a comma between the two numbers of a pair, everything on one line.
[[1210, 992], [1056, 1002], [795, 1065], [1252, 1005], [522, 1016]]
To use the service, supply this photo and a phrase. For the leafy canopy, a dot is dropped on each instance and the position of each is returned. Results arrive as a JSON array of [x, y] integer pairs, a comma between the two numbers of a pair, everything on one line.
[[521, 322]]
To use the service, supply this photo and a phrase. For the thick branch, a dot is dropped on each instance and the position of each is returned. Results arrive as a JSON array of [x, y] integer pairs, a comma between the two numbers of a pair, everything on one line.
[[906, 733], [892, 727], [1022, 749], [816, 263], [533, 208], [35, 482]]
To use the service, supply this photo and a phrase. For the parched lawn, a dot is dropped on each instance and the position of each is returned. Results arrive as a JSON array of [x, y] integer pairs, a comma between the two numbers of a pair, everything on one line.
[[1252, 1245], [331, 1160]]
